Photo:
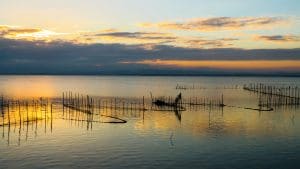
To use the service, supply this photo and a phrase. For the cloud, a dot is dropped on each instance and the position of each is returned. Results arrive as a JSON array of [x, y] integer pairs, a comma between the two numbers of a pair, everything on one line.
[[61, 57], [30, 34], [157, 38], [198, 43], [13, 31], [146, 39], [139, 35], [220, 23], [279, 38], [113, 36]]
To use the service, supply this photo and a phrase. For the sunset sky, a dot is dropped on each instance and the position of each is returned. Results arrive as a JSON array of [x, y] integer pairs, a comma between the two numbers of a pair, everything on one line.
[[149, 37]]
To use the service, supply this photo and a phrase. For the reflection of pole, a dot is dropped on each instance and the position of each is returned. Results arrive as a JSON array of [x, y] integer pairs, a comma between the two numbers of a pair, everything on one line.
[[36, 122], [19, 112], [27, 130], [63, 105], [36, 113], [8, 134], [19, 140], [3, 125], [143, 103], [51, 118], [143, 109], [222, 100], [27, 111], [99, 106], [2, 104], [209, 117], [45, 116], [8, 114]]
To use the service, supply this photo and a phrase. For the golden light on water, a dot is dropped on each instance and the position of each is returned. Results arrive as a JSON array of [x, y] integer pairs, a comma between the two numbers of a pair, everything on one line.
[[34, 87]]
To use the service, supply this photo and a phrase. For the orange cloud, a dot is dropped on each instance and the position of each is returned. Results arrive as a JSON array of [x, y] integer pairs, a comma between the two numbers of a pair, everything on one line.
[[224, 64]]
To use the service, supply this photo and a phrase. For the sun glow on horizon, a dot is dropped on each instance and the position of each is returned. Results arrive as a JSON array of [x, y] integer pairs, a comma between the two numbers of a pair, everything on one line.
[[224, 64], [40, 34]]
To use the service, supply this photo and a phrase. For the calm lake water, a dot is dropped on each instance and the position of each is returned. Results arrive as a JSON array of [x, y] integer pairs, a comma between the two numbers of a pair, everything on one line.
[[200, 137]]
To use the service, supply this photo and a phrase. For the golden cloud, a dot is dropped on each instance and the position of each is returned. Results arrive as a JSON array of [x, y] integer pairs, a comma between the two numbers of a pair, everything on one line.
[[13, 31]]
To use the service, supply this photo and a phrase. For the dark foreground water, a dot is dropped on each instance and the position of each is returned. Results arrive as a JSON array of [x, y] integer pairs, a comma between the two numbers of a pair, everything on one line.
[[201, 137]]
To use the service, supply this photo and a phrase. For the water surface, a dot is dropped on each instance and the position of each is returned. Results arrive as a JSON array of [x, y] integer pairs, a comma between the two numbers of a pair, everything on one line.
[[204, 136]]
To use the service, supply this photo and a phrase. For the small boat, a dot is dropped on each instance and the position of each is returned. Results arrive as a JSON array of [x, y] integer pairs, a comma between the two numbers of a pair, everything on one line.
[[173, 105]]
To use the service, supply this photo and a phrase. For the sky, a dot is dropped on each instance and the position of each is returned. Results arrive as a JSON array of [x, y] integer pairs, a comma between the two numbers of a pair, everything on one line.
[[150, 37]]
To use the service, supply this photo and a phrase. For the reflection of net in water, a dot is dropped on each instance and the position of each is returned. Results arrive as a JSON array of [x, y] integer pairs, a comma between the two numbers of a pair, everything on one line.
[[86, 109], [19, 116], [84, 112], [16, 112]]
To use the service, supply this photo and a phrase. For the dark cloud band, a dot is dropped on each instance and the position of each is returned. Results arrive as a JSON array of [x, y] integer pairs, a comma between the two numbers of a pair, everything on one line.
[[61, 57]]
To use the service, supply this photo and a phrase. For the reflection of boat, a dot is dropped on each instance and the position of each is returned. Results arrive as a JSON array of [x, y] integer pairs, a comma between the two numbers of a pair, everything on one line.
[[163, 103], [260, 109]]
